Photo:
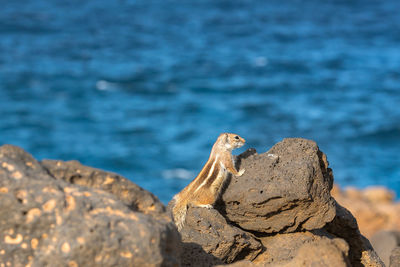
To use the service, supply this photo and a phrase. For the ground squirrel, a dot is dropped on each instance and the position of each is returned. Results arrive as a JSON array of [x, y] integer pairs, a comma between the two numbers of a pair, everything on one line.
[[203, 191]]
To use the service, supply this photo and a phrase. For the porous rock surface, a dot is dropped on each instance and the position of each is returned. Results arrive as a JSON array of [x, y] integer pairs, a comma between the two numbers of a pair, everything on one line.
[[209, 229], [282, 202], [395, 257], [132, 195], [45, 221], [283, 190], [344, 226], [316, 248]]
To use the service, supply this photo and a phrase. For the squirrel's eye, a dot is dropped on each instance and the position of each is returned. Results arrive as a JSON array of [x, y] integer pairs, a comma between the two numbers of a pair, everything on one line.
[[237, 137]]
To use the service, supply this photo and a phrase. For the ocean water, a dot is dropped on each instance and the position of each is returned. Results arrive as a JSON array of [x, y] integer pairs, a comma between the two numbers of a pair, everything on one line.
[[143, 88]]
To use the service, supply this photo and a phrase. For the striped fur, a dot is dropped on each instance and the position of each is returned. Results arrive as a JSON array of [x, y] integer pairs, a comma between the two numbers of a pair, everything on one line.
[[204, 189]]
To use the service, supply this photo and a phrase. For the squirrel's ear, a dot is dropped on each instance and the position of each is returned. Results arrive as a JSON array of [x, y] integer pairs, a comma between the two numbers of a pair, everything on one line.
[[226, 139]]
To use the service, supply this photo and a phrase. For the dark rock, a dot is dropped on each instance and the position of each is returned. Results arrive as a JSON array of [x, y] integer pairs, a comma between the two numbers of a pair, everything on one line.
[[209, 229], [304, 249], [282, 200], [133, 196], [50, 222], [395, 257], [194, 255], [345, 226], [384, 242], [242, 263], [325, 252], [283, 190]]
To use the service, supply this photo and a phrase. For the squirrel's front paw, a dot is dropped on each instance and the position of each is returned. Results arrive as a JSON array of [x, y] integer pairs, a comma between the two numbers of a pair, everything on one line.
[[240, 173], [207, 206]]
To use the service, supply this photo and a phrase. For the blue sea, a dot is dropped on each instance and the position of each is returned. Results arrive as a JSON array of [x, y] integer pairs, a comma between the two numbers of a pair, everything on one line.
[[143, 88]]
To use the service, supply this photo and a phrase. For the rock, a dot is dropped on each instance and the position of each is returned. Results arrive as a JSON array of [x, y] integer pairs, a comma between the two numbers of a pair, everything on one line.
[[283, 213], [395, 257], [283, 190], [194, 255], [304, 249], [373, 207], [51, 222], [209, 229], [384, 242], [379, 194], [242, 263], [345, 226], [279, 213], [326, 252], [133, 196]]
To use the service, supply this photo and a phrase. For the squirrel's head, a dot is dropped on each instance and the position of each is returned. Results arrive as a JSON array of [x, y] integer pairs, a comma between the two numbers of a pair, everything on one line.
[[231, 141]]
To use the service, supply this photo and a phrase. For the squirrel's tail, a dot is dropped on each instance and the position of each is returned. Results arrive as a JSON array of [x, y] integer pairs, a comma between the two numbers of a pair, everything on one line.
[[179, 211]]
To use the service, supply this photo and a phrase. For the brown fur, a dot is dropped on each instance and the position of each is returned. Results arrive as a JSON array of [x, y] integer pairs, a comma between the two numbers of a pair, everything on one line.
[[203, 191]]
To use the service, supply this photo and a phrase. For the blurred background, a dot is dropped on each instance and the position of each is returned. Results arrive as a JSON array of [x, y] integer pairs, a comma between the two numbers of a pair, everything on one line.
[[143, 88]]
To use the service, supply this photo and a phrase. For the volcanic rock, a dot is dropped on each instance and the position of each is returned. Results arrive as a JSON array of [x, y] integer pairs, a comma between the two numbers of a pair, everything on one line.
[[46, 221], [209, 229], [316, 248], [344, 225], [283, 190], [279, 213], [395, 257], [132, 195], [282, 210]]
